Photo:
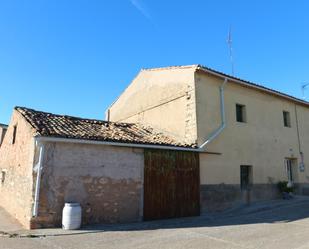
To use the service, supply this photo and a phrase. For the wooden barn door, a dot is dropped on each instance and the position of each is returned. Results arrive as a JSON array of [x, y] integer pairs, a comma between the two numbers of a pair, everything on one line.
[[171, 184]]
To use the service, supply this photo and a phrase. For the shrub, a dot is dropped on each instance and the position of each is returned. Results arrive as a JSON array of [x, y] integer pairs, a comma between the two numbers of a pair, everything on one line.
[[283, 187]]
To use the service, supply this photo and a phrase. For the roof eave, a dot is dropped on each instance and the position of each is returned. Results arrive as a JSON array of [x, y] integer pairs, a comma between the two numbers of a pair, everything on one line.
[[251, 85], [111, 143]]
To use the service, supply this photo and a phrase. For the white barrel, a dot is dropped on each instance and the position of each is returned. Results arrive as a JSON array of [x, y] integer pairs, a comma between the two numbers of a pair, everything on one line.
[[71, 216]]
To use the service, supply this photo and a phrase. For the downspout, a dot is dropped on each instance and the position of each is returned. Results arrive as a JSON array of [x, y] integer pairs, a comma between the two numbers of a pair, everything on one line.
[[38, 169], [216, 132], [212, 136]]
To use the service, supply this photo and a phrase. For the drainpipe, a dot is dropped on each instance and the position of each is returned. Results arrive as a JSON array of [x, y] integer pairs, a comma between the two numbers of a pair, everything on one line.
[[201, 148], [215, 133], [38, 169]]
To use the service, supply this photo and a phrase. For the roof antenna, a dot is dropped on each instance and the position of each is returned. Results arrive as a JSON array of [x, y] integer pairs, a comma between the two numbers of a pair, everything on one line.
[[303, 88], [229, 42]]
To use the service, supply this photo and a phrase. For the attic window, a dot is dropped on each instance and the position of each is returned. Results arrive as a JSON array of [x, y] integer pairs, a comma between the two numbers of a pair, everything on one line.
[[14, 134]]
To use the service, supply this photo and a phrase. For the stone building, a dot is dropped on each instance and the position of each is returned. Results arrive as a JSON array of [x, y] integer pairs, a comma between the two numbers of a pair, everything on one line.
[[47, 160], [250, 136]]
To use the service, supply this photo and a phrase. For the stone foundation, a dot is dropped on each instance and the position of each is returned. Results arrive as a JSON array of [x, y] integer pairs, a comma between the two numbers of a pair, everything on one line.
[[219, 197]]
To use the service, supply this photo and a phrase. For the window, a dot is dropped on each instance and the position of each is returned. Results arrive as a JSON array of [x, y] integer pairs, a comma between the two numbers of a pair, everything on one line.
[[14, 134], [240, 113], [286, 119], [245, 177]]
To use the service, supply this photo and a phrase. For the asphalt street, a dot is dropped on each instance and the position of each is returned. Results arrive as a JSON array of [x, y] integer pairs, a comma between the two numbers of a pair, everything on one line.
[[277, 224]]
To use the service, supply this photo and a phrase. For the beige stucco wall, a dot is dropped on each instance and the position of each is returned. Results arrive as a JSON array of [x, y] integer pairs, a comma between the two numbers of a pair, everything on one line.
[[163, 98], [262, 141], [16, 160], [106, 180]]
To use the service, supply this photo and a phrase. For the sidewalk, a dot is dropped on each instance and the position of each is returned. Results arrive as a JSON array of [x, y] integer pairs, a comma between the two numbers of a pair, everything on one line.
[[8, 225]]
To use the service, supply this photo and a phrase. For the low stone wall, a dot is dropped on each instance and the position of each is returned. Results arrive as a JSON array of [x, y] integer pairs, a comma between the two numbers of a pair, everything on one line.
[[219, 197], [105, 180]]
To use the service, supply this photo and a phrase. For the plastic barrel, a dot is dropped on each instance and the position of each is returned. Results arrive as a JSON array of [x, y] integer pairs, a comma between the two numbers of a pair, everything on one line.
[[71, 216]]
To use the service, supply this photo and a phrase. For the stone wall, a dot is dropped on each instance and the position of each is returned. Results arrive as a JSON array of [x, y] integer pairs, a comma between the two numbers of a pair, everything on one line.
[[105, 180], [16, 163], [219, 197]]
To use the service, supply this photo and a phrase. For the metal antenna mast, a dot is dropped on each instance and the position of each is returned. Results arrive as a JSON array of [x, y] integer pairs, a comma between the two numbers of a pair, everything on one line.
[[229, 42], [303, 88]]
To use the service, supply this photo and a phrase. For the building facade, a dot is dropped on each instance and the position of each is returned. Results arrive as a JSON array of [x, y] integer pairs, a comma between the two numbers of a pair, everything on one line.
[[263, 137], [112, 169]]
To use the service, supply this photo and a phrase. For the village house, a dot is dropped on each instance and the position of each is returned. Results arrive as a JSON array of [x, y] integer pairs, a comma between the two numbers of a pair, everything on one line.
[[116, 171], [177, 142], [250, 137]]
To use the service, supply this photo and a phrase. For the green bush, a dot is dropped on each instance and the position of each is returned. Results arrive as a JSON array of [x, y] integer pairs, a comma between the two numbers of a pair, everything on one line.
[[283, 187]]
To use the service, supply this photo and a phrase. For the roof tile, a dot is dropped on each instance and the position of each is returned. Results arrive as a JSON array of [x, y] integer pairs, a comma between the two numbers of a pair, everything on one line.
[[63, 126]]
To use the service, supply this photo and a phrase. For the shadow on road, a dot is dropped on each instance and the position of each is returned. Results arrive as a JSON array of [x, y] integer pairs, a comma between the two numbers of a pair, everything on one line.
[[286, 212], [274, 212]]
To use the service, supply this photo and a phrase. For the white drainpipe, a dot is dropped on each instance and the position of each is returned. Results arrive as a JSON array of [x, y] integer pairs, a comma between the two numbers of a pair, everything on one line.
[[38, 168], [40, 140], [162, 147], [215, 133]]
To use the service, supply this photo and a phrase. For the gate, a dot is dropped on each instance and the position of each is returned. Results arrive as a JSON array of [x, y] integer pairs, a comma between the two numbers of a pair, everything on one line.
[[171, 184]]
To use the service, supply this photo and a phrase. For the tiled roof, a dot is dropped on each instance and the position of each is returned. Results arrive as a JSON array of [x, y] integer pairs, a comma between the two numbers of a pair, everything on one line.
[[63, 126]]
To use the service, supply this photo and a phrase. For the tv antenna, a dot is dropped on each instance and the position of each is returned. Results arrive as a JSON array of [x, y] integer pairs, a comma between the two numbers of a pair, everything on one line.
[[303, 88], [229, 42]]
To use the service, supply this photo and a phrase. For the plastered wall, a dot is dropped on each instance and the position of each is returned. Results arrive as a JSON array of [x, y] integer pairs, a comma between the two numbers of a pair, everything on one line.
[[262, 141], [163, 99]]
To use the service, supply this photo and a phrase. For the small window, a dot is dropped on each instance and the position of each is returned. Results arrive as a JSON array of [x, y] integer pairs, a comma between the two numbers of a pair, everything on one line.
[[14, 134], [245, 177], [286, 119], [241, 113]]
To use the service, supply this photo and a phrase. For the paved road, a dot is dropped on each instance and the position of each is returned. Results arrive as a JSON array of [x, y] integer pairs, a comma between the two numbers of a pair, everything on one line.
[[277, 225]]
